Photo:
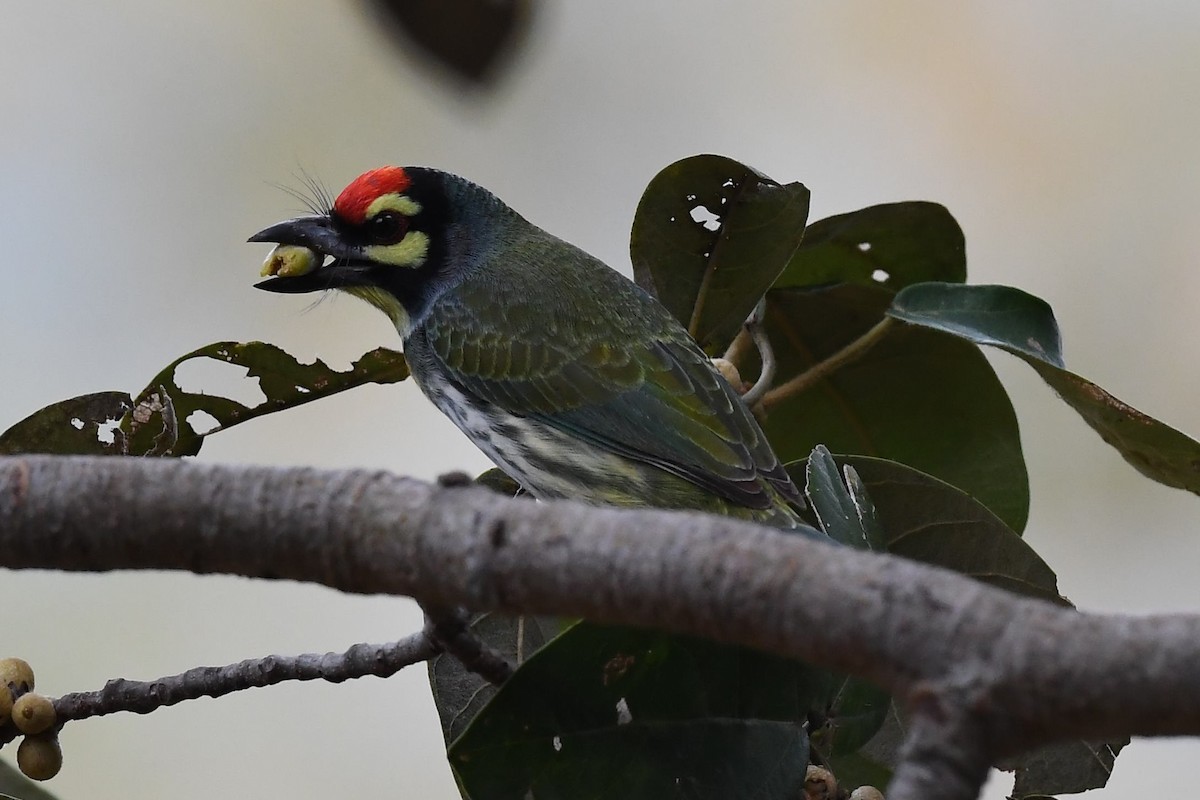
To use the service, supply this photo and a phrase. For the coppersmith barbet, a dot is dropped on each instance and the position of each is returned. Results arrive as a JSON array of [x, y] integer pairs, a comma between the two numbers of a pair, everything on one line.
[[568, 376]]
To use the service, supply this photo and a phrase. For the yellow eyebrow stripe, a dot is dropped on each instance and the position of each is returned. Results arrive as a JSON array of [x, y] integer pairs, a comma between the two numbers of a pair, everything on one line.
[[393, 201]]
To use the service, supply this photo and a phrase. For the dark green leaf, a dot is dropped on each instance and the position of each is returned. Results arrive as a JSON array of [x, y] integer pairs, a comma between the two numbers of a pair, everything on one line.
[[871, 764], [620, 713], [1024, 326], [499, 481], [1000, 316], [158, 423], [15, 785], [864, 507], [853, 715], [1064, 768], [710, 237], [69, 427], [916, 397], [458, 693], [889, 246], [853, 709], [847, 518], [928, 520], [468, 37]]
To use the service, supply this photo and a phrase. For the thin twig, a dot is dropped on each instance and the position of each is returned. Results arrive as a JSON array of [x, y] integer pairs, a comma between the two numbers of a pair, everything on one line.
[[450, 629], [142, 697], [758, 332], [738, 348], [817, 372]]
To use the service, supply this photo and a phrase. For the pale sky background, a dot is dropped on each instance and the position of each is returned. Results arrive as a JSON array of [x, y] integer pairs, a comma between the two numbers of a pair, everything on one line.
[[139, 142]]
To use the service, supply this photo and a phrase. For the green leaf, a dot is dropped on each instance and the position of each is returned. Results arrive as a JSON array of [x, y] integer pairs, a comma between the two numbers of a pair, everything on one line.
[[69, 427], [916, 397], [889, 246], [929, 520], [471, 39], [710, 237], [622, 713], [1024, 325], [499, 481], [158, 423], [846, 514], [1064, 768], [994, 315], [460, 694], [16, 786], [871, 764], [864, 506], [854, 713], [926, 519]]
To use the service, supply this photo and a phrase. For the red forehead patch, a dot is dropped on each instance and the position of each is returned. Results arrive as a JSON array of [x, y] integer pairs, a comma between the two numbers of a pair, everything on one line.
[[351, 204]]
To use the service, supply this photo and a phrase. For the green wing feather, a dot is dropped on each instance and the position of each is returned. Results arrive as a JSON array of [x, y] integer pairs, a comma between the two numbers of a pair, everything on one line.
[[620, 374]]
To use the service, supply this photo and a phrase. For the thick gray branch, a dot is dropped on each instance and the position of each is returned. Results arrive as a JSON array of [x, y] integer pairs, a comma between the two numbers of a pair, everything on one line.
[[1003, 671]]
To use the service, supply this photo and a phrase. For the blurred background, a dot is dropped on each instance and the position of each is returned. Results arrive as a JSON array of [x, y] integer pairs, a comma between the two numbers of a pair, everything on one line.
[[140, 143]]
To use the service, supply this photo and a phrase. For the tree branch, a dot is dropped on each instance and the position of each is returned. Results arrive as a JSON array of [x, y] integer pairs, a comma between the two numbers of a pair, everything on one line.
[[142, 697], [999, 672], [450, 629], [758, 333], [817, 372]]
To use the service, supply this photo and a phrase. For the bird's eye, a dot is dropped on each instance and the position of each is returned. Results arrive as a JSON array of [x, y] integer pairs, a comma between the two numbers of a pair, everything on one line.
[[387, 227]]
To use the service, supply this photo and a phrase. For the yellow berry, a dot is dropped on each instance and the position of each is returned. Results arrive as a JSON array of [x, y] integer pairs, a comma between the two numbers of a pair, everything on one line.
[[289, 261], [866, 793], [16, 674], [819, 784], [40, 757], [730, 373], [6, 704], [33, 713]]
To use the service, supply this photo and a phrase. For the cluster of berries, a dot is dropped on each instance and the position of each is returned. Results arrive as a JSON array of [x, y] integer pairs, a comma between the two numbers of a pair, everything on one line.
[[39, 756]]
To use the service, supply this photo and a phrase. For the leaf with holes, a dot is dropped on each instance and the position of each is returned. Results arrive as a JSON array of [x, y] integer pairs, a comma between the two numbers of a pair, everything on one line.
[[157, 425], [1024, 325], [916, 396], [617, 712], [710, 237], [83, 425], [889, 246]]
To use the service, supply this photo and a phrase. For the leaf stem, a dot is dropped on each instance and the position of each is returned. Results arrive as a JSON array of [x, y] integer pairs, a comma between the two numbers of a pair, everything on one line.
[[738, 347], [817, 372], [758, 332]]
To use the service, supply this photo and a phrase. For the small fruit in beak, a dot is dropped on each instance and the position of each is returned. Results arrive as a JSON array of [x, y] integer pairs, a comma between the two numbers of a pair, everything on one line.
[[290, 261]]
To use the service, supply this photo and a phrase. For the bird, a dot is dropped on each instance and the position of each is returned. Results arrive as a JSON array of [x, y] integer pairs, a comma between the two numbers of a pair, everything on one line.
[[571, 378]]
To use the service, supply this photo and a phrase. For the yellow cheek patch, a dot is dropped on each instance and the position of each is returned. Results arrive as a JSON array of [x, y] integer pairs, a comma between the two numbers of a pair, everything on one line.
[[385, 302], [394, 201], [288, 261], [411, 251]]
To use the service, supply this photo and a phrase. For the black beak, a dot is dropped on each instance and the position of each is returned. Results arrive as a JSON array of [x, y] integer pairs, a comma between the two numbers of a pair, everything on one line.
[[315, 233], [319, 234]]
